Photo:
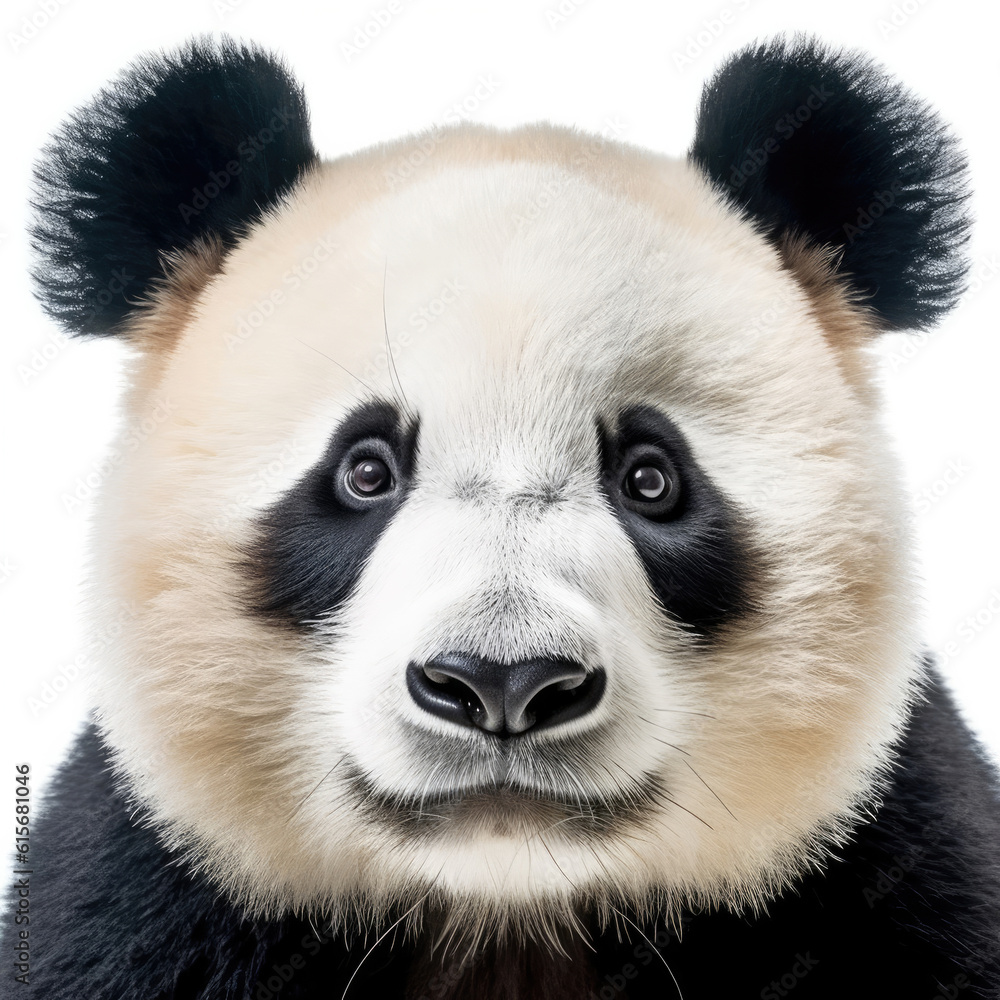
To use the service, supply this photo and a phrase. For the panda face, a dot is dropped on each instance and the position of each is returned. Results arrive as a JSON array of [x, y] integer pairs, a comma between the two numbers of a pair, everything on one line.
[[518, 617], [517, 539]]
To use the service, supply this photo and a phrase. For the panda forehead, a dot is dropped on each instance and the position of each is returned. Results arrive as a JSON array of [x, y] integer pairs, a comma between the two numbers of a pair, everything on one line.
[[493, 266], [478, 274]]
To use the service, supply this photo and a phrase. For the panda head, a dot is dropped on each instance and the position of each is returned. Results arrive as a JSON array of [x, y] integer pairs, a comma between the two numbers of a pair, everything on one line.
[[503, 522]]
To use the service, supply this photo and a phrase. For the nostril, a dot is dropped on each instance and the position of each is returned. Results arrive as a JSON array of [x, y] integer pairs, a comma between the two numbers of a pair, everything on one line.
[[565, 700], [456, 691], [504, 699], [438, 692]]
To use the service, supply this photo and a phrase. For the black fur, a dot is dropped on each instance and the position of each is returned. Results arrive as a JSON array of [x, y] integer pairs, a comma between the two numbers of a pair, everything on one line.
[[310, 547], [807, 139], [698, 557], [193, 144], [909, 911]]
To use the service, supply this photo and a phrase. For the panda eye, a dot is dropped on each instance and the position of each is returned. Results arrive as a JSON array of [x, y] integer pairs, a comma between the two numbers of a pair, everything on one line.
[[368, 472], [368, 477], [650, 486], [647, 483]]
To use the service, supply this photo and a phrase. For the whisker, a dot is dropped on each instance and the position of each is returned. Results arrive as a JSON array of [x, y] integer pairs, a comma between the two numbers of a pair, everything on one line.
[[712, 790], [684, 711], [598, 859], [659, 725], [558, 866], [528, 839], [653, 947], [427, 788], [674, 802], [339, 365], [381, 936], [303, 800], [581, 797], [313, 927], [667, 798], [673, 746], [393, 374]]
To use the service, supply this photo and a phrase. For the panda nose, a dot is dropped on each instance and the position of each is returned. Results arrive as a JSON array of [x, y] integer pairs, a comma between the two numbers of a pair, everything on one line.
[[504, 698]]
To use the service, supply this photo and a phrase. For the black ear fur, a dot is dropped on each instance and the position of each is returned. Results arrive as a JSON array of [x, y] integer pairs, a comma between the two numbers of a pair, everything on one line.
[[823, 142], [181, 146]]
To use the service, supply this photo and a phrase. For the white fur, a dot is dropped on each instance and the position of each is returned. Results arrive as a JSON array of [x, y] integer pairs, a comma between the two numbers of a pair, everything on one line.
[[587, 284]]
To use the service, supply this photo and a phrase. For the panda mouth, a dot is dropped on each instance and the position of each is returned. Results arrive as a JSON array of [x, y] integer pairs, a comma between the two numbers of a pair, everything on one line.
[[503, 807]]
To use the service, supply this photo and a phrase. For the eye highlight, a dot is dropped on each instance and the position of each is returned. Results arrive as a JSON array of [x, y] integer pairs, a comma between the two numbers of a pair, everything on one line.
[[650, 485], [646, 483], [369, 477]]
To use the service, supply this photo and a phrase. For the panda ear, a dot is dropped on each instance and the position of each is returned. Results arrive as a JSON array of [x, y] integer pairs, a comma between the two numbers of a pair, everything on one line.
[[182, 150], [810, 141]]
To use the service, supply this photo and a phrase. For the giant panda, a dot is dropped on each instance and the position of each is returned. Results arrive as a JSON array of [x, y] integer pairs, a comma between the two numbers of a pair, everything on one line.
[[507, 589]]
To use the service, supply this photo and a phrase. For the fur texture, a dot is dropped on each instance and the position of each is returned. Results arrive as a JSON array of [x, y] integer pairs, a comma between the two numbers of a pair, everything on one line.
[[211, 135], [509, 330], [910, 908], [821, 142], [227, 716]]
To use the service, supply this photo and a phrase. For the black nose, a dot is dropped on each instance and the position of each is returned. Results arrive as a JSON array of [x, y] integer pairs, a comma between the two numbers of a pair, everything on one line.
[[504, 698]]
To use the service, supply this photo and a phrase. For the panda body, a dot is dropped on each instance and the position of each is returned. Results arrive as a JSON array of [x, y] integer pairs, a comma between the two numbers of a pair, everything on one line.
[[512, 593]]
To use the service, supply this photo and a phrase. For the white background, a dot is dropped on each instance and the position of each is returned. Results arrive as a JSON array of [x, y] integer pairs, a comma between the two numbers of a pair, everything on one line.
[[642, 63]]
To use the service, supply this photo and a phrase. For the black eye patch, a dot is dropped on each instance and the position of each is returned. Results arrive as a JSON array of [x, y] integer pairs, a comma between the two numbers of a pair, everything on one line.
[[695, 548], [311, 545]]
